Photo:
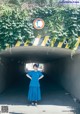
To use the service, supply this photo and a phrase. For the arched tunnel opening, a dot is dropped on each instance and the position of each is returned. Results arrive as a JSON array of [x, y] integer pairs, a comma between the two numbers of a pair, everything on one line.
[[61, 75]]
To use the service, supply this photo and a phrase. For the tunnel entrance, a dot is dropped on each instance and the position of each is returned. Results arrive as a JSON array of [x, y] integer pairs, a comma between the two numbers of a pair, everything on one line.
[[59, 75]]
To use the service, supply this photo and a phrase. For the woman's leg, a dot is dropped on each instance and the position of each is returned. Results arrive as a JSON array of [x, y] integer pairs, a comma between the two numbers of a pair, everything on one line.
[[32, 103], [35, 103]]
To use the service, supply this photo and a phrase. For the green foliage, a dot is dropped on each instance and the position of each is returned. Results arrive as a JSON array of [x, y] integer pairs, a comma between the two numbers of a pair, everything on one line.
[[17, 25], [60, 23], [40, 3], [16, 2], [14, 26]]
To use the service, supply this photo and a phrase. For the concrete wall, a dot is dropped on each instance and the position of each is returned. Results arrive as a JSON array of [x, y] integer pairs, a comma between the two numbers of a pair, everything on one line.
[[70, 79], [2, 76], [8, 73], [12, 73], [65, 71]]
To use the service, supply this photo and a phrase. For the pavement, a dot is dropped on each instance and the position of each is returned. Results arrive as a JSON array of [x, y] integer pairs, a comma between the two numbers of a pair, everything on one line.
[[55, 100]]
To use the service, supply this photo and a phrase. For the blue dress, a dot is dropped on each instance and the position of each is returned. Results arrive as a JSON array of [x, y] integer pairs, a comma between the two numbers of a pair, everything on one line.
[[34, 93]]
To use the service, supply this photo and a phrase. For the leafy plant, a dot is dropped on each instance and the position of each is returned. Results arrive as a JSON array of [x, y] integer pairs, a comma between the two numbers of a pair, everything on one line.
[[15, 26]]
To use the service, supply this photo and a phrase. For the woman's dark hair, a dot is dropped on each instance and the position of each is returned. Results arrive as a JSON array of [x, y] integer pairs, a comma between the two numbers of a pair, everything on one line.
[[36, 65]]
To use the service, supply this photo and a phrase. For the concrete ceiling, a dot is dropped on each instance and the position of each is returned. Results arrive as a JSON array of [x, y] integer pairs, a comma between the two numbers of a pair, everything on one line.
[[35, 53]]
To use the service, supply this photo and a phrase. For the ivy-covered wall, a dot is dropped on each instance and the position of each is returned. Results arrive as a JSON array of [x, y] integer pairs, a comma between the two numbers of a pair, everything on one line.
[[60, 23], [16, 24]]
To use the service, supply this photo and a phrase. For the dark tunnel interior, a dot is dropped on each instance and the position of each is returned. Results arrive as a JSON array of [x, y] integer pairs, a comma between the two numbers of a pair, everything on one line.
[[54, 86]]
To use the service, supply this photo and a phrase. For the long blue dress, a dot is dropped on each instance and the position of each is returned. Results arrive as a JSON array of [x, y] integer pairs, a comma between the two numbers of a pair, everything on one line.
[[34, 93]]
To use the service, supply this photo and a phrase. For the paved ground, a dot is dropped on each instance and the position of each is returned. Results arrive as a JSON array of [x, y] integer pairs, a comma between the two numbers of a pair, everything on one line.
[[55, 100]]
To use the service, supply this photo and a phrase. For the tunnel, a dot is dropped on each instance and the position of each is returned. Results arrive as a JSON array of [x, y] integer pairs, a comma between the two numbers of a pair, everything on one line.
[[61, 80]]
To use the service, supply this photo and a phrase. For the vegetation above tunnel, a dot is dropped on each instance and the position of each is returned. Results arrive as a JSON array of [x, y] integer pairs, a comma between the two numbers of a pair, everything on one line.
[[16, 23]]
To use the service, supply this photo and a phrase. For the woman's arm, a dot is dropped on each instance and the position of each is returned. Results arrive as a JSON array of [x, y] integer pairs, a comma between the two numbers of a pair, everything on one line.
[[41, 77], [28, 76]]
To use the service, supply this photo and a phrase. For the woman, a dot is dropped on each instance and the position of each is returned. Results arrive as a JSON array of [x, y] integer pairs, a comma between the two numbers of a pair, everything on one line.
[[34, 93]]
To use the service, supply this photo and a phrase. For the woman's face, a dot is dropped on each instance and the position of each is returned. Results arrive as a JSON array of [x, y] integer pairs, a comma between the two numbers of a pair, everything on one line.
[[35, 68]]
